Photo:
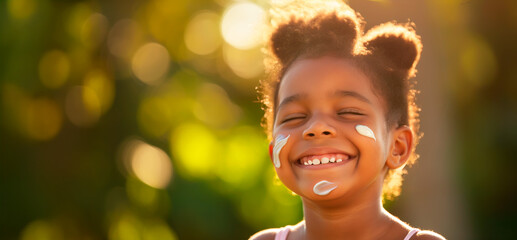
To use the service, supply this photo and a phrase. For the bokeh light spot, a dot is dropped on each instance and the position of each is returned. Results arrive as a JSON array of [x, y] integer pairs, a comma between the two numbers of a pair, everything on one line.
[[202, 33], [126, 150], [44, 119], [150, 63], [21, 9], [123, 38], [246, 154], [78, 16], [215, 108], [99, 82], [54, 68], [196, 148], [280, 3], [151, 165], [158, 230], [160, 13], [82, 106], [41, 230], [242, 25], [126, 227], [94, 30], [246, 64]]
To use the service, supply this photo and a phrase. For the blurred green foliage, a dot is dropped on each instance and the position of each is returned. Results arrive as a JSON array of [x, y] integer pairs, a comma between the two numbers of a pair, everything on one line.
[[485, 106], [99, 97], [90, 88]]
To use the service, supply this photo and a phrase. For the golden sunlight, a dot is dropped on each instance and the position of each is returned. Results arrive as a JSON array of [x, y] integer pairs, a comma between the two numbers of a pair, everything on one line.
[[202, 35], [242, 25], [246, 64], [124, 37], [151, 165], [150, 63]]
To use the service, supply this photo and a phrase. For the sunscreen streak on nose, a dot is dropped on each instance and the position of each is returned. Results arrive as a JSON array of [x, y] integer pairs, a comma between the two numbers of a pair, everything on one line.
[[365, 131], [279, 144], [324, 187]]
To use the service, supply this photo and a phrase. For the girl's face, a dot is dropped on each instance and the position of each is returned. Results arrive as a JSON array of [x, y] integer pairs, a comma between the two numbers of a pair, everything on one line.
[[320, 103]]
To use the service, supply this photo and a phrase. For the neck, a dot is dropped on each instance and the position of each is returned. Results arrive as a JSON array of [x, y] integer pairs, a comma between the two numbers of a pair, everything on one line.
[[357, 219]]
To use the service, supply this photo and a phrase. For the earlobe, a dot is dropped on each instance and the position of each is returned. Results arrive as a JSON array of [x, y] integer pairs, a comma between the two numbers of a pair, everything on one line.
[[401, 147]]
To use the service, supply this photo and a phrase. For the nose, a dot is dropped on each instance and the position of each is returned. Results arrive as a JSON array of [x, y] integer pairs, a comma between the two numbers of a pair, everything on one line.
[[319, 128]]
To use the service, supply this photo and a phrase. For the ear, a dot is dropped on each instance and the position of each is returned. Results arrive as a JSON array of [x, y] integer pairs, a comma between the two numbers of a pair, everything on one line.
[[401, 146]]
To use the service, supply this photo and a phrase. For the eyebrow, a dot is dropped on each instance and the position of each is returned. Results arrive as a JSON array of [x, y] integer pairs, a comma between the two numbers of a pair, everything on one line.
[[290, 99], [338, 93], [343, 93]]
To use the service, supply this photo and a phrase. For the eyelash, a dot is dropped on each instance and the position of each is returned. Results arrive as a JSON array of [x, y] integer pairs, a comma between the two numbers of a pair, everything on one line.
[[350, 112], [292, 118]]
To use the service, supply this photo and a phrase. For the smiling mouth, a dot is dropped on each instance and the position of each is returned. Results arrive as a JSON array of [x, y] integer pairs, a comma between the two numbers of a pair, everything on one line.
[[324, 159]]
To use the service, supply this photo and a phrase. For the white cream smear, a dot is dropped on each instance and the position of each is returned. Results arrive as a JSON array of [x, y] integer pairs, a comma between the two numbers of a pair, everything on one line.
[[365, 131], [324, 187], [279, 144]]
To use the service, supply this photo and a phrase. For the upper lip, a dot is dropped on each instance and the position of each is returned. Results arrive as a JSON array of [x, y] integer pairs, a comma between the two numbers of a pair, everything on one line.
[[322, 151]]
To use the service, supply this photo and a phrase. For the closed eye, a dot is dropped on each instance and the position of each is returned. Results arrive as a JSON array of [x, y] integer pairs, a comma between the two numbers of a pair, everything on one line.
[[350, 112], [298, 117]]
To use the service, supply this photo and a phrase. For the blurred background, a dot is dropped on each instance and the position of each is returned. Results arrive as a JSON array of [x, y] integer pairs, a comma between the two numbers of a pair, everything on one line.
[[133, 119]]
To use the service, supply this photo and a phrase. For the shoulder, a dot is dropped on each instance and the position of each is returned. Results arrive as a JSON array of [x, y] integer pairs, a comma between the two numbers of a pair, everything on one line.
[[268, 234], [428, 235], [420, 235]]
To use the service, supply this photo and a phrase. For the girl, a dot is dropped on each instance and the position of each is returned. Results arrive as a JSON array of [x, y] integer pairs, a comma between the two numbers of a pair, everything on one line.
[[341, 111]]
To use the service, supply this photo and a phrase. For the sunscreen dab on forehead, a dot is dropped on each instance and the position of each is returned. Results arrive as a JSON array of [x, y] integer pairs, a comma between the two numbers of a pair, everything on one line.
[[280, 142], [365, 131], [324, 187]]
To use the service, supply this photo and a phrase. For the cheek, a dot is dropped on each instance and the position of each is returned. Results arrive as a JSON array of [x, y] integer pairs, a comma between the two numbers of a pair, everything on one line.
[[285, 172], [383, 139], [278, 148], [372, 136], [289, 179], [365, 131]]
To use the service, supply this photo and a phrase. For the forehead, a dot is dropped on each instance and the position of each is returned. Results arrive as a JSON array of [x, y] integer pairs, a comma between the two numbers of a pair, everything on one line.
[[324, 76]]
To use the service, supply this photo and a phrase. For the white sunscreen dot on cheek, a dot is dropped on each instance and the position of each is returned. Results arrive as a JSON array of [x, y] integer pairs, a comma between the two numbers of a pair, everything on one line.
[[365, 131], [324, 187], [279, 144]]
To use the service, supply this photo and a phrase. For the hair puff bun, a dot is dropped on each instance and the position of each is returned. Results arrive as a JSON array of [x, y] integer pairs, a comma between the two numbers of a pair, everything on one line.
[[300, 37], [396, 46]]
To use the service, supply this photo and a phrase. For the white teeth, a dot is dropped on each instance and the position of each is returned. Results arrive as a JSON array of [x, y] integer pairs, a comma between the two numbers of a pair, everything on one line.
[[326, 160]]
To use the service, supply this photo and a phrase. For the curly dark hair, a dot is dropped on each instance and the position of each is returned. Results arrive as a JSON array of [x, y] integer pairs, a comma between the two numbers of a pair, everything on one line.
[[387, 54]]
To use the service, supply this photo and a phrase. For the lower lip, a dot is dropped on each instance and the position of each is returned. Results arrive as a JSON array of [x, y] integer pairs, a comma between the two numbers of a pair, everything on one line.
[[323, 166]]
